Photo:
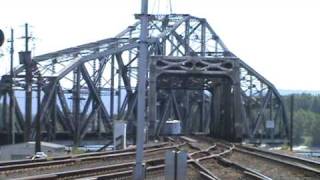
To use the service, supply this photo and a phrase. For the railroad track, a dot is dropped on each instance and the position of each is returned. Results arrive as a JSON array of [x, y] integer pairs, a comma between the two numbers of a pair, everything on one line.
[[116, 169], [79, 162], [208, 159], [154, 170], [152, 173], [95, 173], [275, 165], [305, 163], [219, 168], [157, 173], [30, 161], [254, 163]]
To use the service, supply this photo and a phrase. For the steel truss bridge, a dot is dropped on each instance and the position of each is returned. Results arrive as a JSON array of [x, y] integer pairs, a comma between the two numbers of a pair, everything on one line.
[[192, 77]]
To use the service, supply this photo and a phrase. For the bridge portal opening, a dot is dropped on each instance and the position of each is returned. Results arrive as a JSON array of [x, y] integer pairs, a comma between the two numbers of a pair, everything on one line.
[[198, 91]]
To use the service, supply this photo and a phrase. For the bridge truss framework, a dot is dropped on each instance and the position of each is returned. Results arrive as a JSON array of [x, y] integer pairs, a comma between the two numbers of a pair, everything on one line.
[[192, 77]]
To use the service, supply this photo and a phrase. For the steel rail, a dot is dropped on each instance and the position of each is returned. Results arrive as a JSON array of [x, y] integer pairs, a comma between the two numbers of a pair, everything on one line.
[[286, 162], [299, 160], [77, 159], [29, 161]]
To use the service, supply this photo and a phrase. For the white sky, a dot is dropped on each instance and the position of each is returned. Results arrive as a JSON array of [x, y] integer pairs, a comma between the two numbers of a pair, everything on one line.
[[279, 38]]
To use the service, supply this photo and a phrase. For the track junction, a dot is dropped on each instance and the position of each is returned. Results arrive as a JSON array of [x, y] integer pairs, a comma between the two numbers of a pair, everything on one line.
[[207, 159]]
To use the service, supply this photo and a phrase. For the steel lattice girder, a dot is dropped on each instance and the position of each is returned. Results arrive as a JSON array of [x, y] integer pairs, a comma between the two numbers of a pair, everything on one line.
[[211, 73], [169, 35]]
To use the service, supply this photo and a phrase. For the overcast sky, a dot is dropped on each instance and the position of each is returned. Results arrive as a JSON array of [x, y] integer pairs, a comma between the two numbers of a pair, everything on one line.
[[279, 38]]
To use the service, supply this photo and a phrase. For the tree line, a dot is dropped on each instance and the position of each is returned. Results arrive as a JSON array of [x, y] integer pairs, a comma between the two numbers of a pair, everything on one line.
[[306, 119]]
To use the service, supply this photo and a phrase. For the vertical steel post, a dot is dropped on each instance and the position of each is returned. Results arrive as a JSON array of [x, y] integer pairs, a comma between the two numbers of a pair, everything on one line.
[[226, 123], [4, 112], [187, 112], [112, 88], [99, 93], [212, 112], [203, 37], [94, 69], [152, 102], [170, 165], [187, 38], [53, 115], [129, 73], [119, 71], [217, 108], [164, 39], [38, 127], [76, 107], [202, 106], [291, 120], [11, 134], [175, 165], [28, 87], [271, 116], [119, 91], [130, 57], [237, 119], [142, 71], [181, 165], [171, 44], [26, 37]]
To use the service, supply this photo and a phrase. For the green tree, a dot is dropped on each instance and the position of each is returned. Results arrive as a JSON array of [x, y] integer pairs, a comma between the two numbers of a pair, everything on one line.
[[314, 130], [303, 101], [316, 104], [299, 126], [306, 119]]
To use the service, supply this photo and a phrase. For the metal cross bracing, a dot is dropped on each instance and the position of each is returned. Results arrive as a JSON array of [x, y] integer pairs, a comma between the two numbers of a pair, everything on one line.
[[87, 87]]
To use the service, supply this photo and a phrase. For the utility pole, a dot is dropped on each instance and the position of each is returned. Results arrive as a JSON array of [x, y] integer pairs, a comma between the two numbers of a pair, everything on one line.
[[11, 133], [142, 72], [28, 87]]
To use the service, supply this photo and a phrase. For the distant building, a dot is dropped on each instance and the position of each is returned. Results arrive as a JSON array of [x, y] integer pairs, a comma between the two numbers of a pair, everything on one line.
[[24, 150]]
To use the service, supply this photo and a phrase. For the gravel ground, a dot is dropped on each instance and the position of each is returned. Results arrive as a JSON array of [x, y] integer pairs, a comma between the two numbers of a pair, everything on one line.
[[274, 170], [223, 172], [81, 165]]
